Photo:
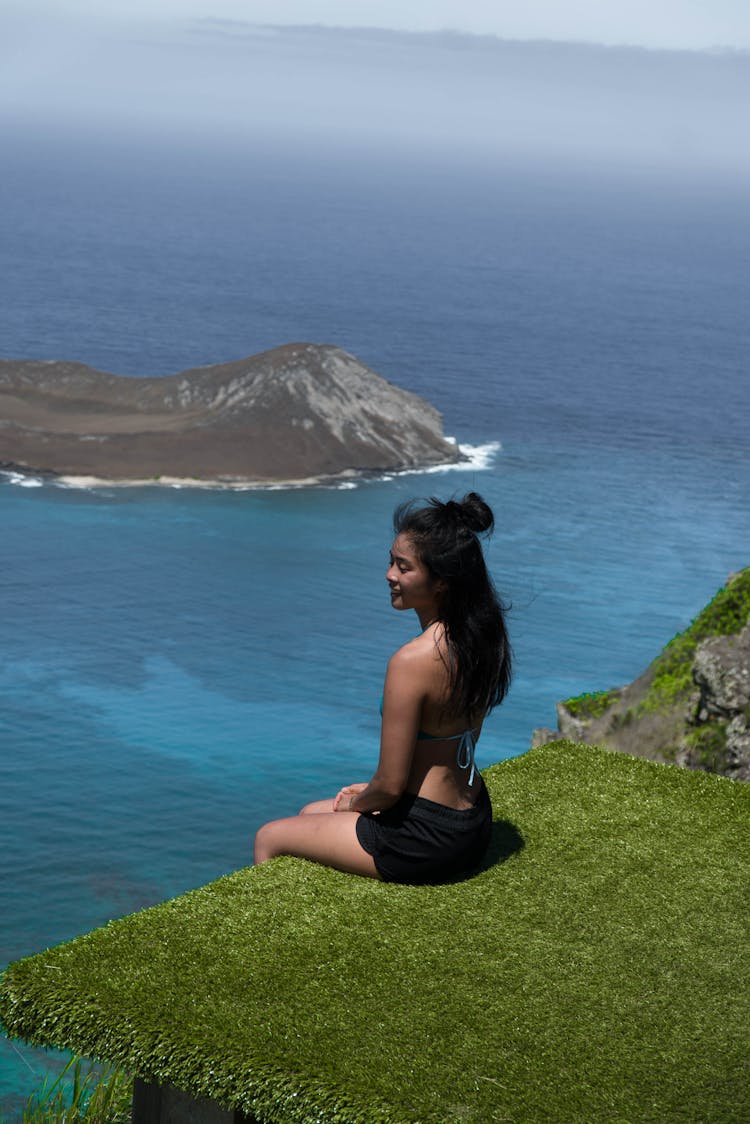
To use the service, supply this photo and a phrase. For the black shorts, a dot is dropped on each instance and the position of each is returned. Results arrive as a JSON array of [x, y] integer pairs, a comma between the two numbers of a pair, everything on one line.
[[418, 840]]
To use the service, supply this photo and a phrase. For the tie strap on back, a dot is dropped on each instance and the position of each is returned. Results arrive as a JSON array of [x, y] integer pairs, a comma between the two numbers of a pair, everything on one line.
[[465, 753]]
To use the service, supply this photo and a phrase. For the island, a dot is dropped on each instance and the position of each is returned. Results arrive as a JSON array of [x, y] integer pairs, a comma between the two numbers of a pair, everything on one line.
[[301, 413]]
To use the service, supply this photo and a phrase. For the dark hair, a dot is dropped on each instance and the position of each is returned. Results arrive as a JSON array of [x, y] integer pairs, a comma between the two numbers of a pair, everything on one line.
[[445, 537]]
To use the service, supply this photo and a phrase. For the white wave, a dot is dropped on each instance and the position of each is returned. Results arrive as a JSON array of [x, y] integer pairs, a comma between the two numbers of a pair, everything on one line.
[[478, 457], [22, 481]]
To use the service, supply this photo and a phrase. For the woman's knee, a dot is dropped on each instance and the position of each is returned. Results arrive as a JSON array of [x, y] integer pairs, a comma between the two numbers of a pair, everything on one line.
[[266, 843], [316, 808], [328, 839]]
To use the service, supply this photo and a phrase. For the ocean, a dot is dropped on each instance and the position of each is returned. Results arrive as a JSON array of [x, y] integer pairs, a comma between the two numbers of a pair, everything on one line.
[[180, 664]]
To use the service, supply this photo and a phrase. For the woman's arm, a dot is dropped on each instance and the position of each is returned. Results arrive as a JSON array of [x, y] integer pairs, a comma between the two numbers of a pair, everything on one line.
[[405, 689]]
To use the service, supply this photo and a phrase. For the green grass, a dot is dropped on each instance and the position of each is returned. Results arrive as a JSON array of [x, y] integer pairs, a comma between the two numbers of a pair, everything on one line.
[[82, 1093], [599, 973]]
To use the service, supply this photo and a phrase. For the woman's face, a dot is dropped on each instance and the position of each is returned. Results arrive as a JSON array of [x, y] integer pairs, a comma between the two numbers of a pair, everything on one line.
[[411, 584]]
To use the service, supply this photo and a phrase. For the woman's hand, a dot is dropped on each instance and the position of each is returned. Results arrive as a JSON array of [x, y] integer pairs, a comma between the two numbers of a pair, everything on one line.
[[342, 801]]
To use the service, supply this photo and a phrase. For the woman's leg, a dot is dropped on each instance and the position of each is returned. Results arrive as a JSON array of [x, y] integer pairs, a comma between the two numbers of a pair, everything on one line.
[[327, 838], [316, 807]]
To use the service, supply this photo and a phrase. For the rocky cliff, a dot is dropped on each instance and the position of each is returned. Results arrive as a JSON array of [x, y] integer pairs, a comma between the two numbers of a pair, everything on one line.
[[691, 705], [299, 412]]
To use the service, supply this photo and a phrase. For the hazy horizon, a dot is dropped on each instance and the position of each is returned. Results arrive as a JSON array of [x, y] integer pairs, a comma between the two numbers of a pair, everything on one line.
[[670, 25], [450, 93]]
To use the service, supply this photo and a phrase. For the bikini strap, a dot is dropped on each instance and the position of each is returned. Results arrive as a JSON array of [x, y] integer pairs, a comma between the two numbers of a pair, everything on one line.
[[465, 753]]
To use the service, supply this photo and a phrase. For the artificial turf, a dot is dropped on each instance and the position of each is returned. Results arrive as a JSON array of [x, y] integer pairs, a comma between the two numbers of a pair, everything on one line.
[[596, 969]]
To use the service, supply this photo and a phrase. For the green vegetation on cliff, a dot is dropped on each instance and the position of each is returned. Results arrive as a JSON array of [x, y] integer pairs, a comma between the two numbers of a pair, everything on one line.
[[593, 970], [657, 715], [725, 615], [592, 704]]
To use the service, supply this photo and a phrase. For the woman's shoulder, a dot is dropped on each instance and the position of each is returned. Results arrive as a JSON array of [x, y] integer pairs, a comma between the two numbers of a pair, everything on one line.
[[425, 649]]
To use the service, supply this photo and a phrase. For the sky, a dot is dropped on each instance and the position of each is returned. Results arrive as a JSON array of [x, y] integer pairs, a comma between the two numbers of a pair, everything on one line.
[[672, 24], [663, 84]]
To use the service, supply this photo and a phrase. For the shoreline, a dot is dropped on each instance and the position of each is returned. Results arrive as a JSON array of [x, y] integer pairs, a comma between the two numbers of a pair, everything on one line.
[[238, 485], [38, 477], [475, 458]]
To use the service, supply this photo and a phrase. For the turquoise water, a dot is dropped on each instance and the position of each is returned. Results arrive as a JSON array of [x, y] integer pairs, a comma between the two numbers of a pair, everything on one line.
[[180, 665]]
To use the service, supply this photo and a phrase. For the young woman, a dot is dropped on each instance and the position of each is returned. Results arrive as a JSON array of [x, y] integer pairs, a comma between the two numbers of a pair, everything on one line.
[[425, 815]]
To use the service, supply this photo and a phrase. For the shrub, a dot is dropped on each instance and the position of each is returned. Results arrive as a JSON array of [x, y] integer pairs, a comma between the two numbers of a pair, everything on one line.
[[592, 704]]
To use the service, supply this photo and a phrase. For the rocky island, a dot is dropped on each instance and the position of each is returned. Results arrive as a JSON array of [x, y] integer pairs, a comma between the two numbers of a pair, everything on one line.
[[692, 704], [300, 413]]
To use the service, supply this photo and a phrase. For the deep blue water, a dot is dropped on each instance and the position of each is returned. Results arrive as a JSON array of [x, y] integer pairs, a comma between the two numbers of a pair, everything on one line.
[[180, 665]]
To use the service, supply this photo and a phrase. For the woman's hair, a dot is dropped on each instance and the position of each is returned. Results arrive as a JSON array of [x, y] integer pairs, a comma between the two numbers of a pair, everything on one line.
[[445, 537]]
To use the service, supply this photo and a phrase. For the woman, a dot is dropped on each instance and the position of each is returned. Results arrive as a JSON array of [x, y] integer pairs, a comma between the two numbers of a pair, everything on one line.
[[425, 815]]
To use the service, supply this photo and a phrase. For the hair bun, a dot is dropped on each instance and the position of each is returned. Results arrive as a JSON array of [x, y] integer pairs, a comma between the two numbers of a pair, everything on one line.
[[474, 513]]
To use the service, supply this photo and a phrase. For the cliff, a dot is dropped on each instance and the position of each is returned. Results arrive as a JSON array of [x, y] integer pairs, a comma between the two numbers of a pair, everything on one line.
[[296, 413], [692, 704]]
